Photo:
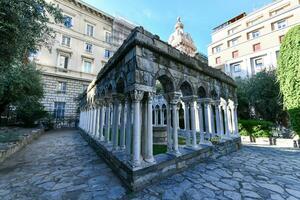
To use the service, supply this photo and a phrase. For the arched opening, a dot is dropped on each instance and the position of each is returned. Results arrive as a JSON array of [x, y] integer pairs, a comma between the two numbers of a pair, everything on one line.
[[186, 89], [201, 92], [120, 86]]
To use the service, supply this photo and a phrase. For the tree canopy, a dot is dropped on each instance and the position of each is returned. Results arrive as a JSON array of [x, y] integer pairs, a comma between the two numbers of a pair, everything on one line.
[[259, 97], [24, 28], [288, 74]]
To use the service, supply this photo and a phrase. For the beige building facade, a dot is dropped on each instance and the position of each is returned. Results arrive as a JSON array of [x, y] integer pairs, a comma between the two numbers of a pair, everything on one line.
[[250, 43], [82, 46]]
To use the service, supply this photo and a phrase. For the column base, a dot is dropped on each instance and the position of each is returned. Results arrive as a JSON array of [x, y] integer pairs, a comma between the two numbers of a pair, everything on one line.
[[226, 137], [206, 142], [193, 147], [150, 160], [174, 153]]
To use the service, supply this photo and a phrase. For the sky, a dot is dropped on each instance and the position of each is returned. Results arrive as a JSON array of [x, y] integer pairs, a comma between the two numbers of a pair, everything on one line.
[[159, 16]]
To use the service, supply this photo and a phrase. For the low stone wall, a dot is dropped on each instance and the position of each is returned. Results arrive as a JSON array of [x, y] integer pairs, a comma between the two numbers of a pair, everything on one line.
[[166, 164], [5, 153], [160, 134]]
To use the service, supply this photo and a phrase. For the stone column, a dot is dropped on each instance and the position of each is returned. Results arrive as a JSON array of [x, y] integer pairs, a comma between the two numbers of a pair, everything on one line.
[[169, 129], [115, 125], [193, 124], [206, 116], [211, 118], [136, 97], [224, 106], [123, 125], [161, 116], [229, 119], [100, 121], [174, 99], [200, 116], [149, 139], [218, 122], [107, 120], [221, 120], [144, 121], [236, 121], [89, 121], [128, 125], [97, 122], [187, 123], [178, 118], [156, 116]]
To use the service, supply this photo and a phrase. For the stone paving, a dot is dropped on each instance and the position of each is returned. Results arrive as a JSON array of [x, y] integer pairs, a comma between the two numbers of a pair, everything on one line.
[[60, 165]]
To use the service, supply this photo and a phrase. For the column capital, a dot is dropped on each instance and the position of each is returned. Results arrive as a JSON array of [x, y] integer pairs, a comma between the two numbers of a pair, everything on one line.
[[173, 97], [137, 95], [189, 99]]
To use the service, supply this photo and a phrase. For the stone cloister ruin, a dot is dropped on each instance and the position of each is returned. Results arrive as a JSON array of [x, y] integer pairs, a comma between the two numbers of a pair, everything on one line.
[[121, 109]]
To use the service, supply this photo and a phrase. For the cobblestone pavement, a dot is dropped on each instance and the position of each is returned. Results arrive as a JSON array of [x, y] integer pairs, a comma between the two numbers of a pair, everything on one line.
[[60, 165]]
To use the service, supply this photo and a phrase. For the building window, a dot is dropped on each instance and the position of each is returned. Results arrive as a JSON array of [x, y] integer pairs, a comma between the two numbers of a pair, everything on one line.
[[107, 53], [62, 87], [236, 67], [281, 38], [68, 21], [88, 47], [59, 110], [280, 24], [255, 34], [108, 37], [235, 54], [218, 60], [233, 42], [279, 10], [256, 47], [217, 49], [87, 66], [63, 61], [255, 21], [66, 41], [233, 30], [90, 30], [258, 63]]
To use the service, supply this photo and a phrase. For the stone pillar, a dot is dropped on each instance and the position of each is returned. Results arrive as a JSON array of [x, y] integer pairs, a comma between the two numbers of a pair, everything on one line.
[[200, 116], [193, 124], [174, 99], [144, 119], [187, 123], [115, 125], [101, 121], [90, 121], [229, 119], [107, 121], [236, 120], [156, 116], [218, 122], [97, 122], [136, 97], [224, 106], [206, 117], [178, 118], [211, 118], [221, 120], [161, 116], [169, 129], [123, 124], [149, 139], [128, 125]]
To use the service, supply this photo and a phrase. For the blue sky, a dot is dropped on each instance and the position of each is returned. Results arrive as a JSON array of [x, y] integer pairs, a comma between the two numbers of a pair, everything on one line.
[[198, 16]]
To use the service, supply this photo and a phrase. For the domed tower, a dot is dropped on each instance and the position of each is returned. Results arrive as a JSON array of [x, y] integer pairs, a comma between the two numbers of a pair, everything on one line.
[[181, 40]]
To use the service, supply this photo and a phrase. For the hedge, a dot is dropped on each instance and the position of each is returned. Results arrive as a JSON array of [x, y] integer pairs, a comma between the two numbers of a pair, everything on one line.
[[255, 128]]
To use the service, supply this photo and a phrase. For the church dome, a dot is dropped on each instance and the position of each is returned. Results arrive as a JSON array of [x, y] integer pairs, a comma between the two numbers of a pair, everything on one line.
[[181, 40]]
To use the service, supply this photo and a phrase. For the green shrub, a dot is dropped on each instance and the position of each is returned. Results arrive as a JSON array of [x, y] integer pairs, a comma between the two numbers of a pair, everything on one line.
[[255, 128], [288, 74]]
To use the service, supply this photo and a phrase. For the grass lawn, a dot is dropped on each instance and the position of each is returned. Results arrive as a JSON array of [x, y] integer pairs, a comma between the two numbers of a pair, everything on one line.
[[12, 134]]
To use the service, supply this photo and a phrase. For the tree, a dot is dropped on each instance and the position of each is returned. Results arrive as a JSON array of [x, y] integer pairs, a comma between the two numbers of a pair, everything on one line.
[[288, 75], [261, 94], [23, 29]]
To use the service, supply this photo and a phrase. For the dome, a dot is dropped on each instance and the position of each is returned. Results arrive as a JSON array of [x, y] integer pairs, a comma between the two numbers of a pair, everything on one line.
[[181, 40]]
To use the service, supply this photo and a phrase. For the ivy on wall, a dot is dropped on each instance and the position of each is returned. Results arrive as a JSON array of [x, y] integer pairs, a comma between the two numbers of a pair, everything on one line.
[[288, 75]]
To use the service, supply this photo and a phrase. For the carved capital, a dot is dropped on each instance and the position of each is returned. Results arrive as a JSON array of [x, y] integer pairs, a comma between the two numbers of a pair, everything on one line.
[[137, 95]]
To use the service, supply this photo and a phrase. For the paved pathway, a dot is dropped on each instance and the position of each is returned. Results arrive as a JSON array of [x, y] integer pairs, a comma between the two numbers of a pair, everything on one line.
[[60, 165]]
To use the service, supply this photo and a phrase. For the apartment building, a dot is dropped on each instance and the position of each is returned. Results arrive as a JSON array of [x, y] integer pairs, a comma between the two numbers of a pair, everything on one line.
[[84, 42], [250, 43]]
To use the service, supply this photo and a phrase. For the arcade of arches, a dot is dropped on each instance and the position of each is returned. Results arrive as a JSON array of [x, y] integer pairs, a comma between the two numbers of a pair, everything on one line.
[[121, 107]]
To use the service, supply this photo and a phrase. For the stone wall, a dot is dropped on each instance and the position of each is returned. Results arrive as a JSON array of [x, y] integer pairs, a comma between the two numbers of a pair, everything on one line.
[[5, 153], [51, 94], [166, 165]]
